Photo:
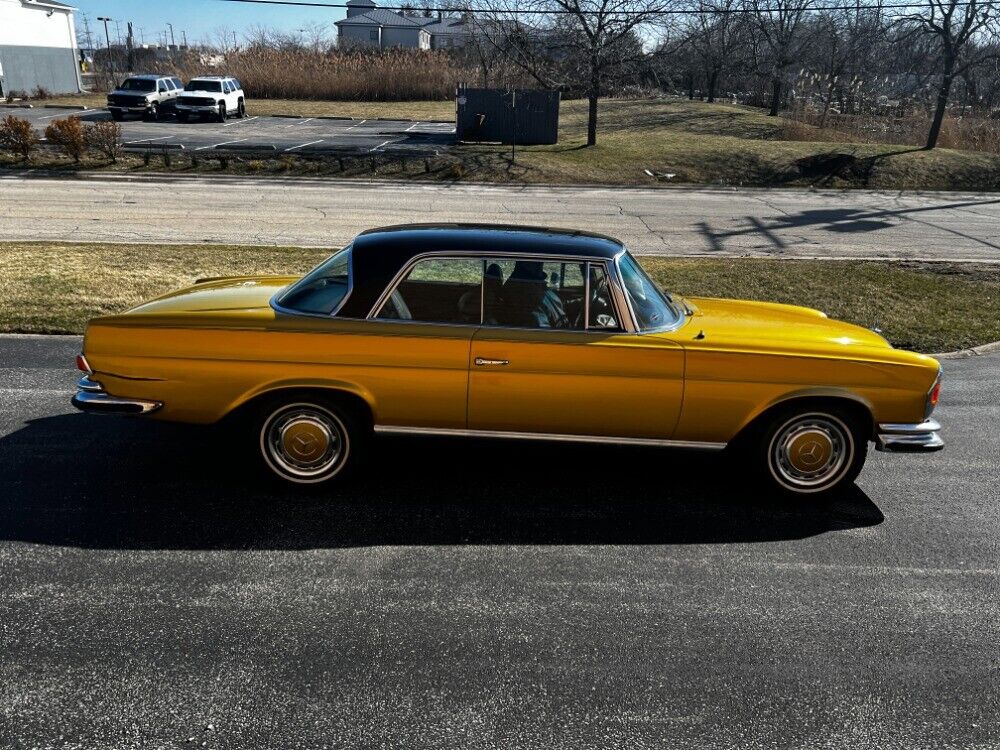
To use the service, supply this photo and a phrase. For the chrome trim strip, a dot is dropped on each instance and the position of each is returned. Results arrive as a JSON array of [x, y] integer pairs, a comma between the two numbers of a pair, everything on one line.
[[909, 438], [548, 437]]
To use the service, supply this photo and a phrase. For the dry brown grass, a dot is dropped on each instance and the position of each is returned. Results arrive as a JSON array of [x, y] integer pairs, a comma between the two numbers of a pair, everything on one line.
[[48, 288]]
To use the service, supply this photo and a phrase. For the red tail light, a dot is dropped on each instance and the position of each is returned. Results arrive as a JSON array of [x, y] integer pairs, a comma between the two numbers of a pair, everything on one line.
[[935, 393], [83, 364]]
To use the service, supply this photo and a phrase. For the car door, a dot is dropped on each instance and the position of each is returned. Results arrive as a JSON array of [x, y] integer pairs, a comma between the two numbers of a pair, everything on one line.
[[578, 371], [418, 344]]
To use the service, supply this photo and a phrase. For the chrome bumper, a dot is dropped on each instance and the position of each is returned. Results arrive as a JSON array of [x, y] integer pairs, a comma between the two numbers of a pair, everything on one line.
[[909, 438], [90, 397]]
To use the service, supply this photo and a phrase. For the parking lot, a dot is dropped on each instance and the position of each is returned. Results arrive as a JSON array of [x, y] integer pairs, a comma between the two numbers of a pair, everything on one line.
[[278, 134]]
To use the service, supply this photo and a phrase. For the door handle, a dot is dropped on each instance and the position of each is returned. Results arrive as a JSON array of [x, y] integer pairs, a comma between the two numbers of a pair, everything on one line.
[[480, 362]]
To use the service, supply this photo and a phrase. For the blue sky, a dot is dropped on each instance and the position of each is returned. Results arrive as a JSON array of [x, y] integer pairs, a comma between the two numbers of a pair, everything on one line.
[[199, 18]]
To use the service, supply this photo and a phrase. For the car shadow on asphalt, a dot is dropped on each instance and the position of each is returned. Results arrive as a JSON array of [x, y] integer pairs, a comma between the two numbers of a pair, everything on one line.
[[120, 483]]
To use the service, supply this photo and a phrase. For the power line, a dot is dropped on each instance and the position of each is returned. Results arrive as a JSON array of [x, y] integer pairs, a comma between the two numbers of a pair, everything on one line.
[[563, 11]]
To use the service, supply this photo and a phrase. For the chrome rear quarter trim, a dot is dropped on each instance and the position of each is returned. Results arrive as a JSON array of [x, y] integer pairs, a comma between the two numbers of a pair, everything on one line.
[[90, 397]]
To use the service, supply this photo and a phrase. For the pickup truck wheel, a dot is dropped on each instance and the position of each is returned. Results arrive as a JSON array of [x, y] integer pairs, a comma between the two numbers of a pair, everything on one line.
[[117, 116], [154, 112], [309, 441], [811, 452], [183, 117], [222, 111], [241, 109]]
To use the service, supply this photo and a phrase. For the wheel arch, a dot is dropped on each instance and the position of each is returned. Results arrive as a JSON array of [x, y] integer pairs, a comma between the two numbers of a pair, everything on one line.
[[813, 397], [359, 401]]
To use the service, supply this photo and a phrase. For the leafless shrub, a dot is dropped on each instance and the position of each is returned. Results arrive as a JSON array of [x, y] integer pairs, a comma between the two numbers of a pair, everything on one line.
[[67, 135], [105, 137], [41, 92], [17, 135]]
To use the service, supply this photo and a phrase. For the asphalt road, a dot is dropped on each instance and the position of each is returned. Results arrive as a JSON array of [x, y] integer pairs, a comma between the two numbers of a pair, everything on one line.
[[284, 135], [486, 595], [782, 223]]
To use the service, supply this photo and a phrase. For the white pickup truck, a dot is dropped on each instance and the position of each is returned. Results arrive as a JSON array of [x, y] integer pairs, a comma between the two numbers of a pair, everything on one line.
[[211, 96]]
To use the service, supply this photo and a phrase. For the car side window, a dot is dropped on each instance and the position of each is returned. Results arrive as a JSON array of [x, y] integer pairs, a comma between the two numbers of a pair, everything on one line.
[[162, 88], [225, 87], [438, 290], [525, 293], [237, 84], [601, 313]]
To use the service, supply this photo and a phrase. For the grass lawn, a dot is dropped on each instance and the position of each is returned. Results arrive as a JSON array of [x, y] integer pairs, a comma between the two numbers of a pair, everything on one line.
[[46, 288], [694, 142]]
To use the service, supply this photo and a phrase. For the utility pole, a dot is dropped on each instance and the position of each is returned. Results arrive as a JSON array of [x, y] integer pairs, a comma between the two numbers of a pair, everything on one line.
[[107, 39], [172, 42], [130, 47], [235, 45], [184, 36]]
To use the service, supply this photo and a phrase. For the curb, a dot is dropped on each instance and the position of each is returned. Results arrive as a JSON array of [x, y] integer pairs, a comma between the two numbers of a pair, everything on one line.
[[17, 106], [975, 351], [79, 107]]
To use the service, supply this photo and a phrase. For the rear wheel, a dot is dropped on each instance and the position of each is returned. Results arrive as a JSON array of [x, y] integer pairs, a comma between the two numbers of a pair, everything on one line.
[[222, 112], [810, 452], [241, 109], [309, 441]]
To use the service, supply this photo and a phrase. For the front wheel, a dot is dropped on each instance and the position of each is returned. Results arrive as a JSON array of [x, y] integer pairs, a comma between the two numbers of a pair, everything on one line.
[[811, 452], [222, 112], [309, 441], [153, 113]]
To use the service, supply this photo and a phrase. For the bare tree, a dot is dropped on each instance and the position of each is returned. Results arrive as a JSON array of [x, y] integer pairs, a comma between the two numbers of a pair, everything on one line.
[[574, 43], [956, 26], [782, 28], [716, 35]]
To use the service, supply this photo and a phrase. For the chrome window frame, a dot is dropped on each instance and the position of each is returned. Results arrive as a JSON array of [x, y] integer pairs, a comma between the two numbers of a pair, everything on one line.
[[275, 300], [624, 312], [681, 318]]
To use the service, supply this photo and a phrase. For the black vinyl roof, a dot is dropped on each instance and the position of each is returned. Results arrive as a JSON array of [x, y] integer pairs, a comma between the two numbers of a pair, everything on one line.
[[377, 255]]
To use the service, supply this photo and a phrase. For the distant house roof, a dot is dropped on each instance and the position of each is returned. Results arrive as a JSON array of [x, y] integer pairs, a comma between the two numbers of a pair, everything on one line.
[[380, 17], [447, 26]]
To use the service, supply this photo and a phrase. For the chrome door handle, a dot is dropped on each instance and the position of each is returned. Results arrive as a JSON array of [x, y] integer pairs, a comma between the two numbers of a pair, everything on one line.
[[480, 362]]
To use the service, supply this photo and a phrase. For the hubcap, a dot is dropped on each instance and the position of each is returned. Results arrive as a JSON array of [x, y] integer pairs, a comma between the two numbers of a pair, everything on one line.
[[810, 452], [304, 442]]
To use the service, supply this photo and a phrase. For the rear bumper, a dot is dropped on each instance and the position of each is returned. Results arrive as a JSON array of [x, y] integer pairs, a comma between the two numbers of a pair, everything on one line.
[[91, 397], [909, 438]]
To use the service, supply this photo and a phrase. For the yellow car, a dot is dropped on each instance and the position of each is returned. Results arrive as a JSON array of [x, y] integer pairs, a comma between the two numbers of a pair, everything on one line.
[[509, 332]]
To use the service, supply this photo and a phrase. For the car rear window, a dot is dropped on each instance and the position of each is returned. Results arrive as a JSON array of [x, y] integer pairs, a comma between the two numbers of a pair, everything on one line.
[[322, 290]]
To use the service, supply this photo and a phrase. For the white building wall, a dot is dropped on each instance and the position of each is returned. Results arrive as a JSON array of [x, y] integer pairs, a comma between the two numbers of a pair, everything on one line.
[[357, 36], [29, 25]]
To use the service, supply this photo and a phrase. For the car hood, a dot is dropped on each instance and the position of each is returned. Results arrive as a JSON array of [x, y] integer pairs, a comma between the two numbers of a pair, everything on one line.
[[200, 92], [755, 325], [217, 295]]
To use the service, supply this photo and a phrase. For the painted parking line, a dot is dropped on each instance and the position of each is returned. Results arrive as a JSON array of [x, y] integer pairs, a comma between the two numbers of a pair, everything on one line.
[[224, 143], [386, 143], [57, 114], [356, 126], [147, 140], [240, 122], [303, 145], [302, 122], [412, 127]]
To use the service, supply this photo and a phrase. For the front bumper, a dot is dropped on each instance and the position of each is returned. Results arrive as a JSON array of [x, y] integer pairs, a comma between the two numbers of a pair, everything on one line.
[[128, 110], [91, 397], [909, 438], [198, 109]]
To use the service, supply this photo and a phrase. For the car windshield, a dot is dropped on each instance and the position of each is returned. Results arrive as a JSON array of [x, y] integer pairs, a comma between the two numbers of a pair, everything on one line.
[[204, 86], [653, 311], [323, 289], [138, 84]]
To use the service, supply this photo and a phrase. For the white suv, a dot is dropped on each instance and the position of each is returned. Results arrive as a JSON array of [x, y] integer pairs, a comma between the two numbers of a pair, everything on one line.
[[216, 96]]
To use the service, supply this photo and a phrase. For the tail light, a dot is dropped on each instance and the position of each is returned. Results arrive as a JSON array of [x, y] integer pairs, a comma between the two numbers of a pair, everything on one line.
[[83, 364], [933, 395]]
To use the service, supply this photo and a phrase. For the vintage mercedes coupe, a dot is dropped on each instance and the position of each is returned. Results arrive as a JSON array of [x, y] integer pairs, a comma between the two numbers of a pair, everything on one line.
[[509, 332]]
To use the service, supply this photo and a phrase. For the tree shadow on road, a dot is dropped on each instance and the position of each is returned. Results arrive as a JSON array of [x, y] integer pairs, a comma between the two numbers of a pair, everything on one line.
[[118, 483]]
